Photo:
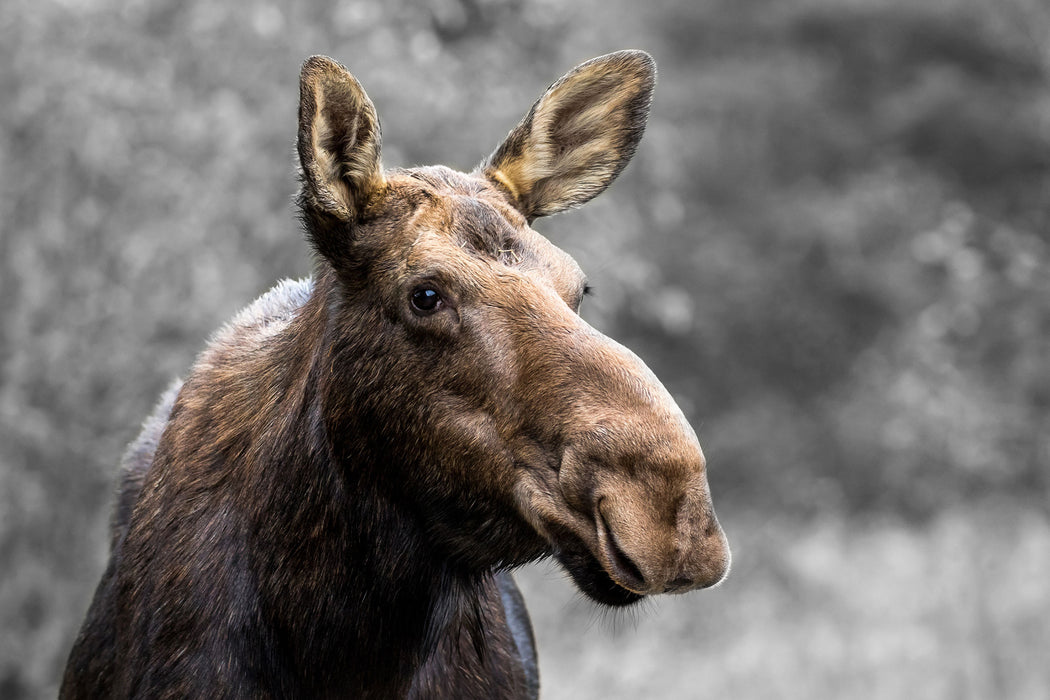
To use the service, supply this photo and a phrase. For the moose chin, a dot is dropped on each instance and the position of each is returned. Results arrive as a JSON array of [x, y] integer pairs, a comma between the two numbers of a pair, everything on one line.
[[331, 503]]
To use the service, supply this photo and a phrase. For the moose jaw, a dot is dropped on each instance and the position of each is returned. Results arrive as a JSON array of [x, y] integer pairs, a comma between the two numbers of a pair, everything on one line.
[[331, 503]]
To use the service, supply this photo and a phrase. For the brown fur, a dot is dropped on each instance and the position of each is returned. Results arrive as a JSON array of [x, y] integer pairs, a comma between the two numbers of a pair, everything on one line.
[[328, 505]]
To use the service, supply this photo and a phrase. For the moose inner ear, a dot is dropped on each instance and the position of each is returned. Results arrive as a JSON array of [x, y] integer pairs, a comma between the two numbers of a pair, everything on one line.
[[578, 136], [339, 142]]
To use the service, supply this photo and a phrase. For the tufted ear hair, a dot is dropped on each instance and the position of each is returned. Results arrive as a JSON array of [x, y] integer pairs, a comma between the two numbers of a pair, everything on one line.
[[578, 136], [339, 144]]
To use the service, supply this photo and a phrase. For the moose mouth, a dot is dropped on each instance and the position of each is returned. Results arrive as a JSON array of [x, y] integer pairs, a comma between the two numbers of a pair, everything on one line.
[[593, 581], [591, 577]]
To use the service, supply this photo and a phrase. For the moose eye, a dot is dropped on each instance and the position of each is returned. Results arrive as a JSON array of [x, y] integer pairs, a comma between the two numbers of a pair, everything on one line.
[[425, 300]]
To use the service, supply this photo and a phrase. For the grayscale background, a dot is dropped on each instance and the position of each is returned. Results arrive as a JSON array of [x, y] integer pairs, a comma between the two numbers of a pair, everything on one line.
[[832, 246]]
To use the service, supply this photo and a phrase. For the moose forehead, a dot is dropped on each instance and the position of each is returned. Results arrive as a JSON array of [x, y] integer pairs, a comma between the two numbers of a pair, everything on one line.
[[452, 223]]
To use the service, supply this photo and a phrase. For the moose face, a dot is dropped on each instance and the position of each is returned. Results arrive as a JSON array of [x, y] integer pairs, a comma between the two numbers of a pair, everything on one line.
[[516, 429]]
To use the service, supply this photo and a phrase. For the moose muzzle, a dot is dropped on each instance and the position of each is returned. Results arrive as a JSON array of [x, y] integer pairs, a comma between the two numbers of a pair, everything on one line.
[[654, 528], [633, 473]]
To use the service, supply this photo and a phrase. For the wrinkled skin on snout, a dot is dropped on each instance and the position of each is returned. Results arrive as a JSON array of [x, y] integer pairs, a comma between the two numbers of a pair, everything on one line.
[[520, 430]]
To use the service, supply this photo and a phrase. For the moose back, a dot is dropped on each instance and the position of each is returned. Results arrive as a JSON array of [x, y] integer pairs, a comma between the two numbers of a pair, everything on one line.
[[330, 504]]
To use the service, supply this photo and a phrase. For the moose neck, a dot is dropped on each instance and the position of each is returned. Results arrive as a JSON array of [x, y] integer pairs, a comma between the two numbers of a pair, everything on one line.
[[345, 565]]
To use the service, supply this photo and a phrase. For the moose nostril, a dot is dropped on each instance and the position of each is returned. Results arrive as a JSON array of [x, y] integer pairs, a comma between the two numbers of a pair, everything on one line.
[[627, 568]]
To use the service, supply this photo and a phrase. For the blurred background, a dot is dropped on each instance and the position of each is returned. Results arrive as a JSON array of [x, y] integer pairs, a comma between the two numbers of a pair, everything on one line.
[[832, 246]]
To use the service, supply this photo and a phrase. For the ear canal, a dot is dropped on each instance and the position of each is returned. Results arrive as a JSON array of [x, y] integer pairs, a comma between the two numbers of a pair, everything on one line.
[[578, 136], [339, 142]]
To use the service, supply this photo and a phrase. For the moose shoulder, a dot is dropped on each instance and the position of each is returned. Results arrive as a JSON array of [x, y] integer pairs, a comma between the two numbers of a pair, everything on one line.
[[331, 503]]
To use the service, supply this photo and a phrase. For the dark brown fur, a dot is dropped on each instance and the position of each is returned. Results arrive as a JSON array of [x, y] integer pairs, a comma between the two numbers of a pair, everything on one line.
[[329, 505]]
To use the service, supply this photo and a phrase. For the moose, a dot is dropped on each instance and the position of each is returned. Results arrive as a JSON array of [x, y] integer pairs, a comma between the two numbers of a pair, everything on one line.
[[332, 502]]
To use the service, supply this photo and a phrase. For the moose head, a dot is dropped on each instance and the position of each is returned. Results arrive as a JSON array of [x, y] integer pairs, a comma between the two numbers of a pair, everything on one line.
[[458, 361]]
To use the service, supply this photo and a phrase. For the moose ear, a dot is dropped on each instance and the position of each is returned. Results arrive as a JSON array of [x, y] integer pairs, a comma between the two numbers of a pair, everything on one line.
[[339, 140], [577, 137]]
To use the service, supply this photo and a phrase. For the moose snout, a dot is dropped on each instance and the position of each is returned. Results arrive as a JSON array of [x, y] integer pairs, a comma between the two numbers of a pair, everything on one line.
[[648, 549], [633, 476], [654, 527]]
